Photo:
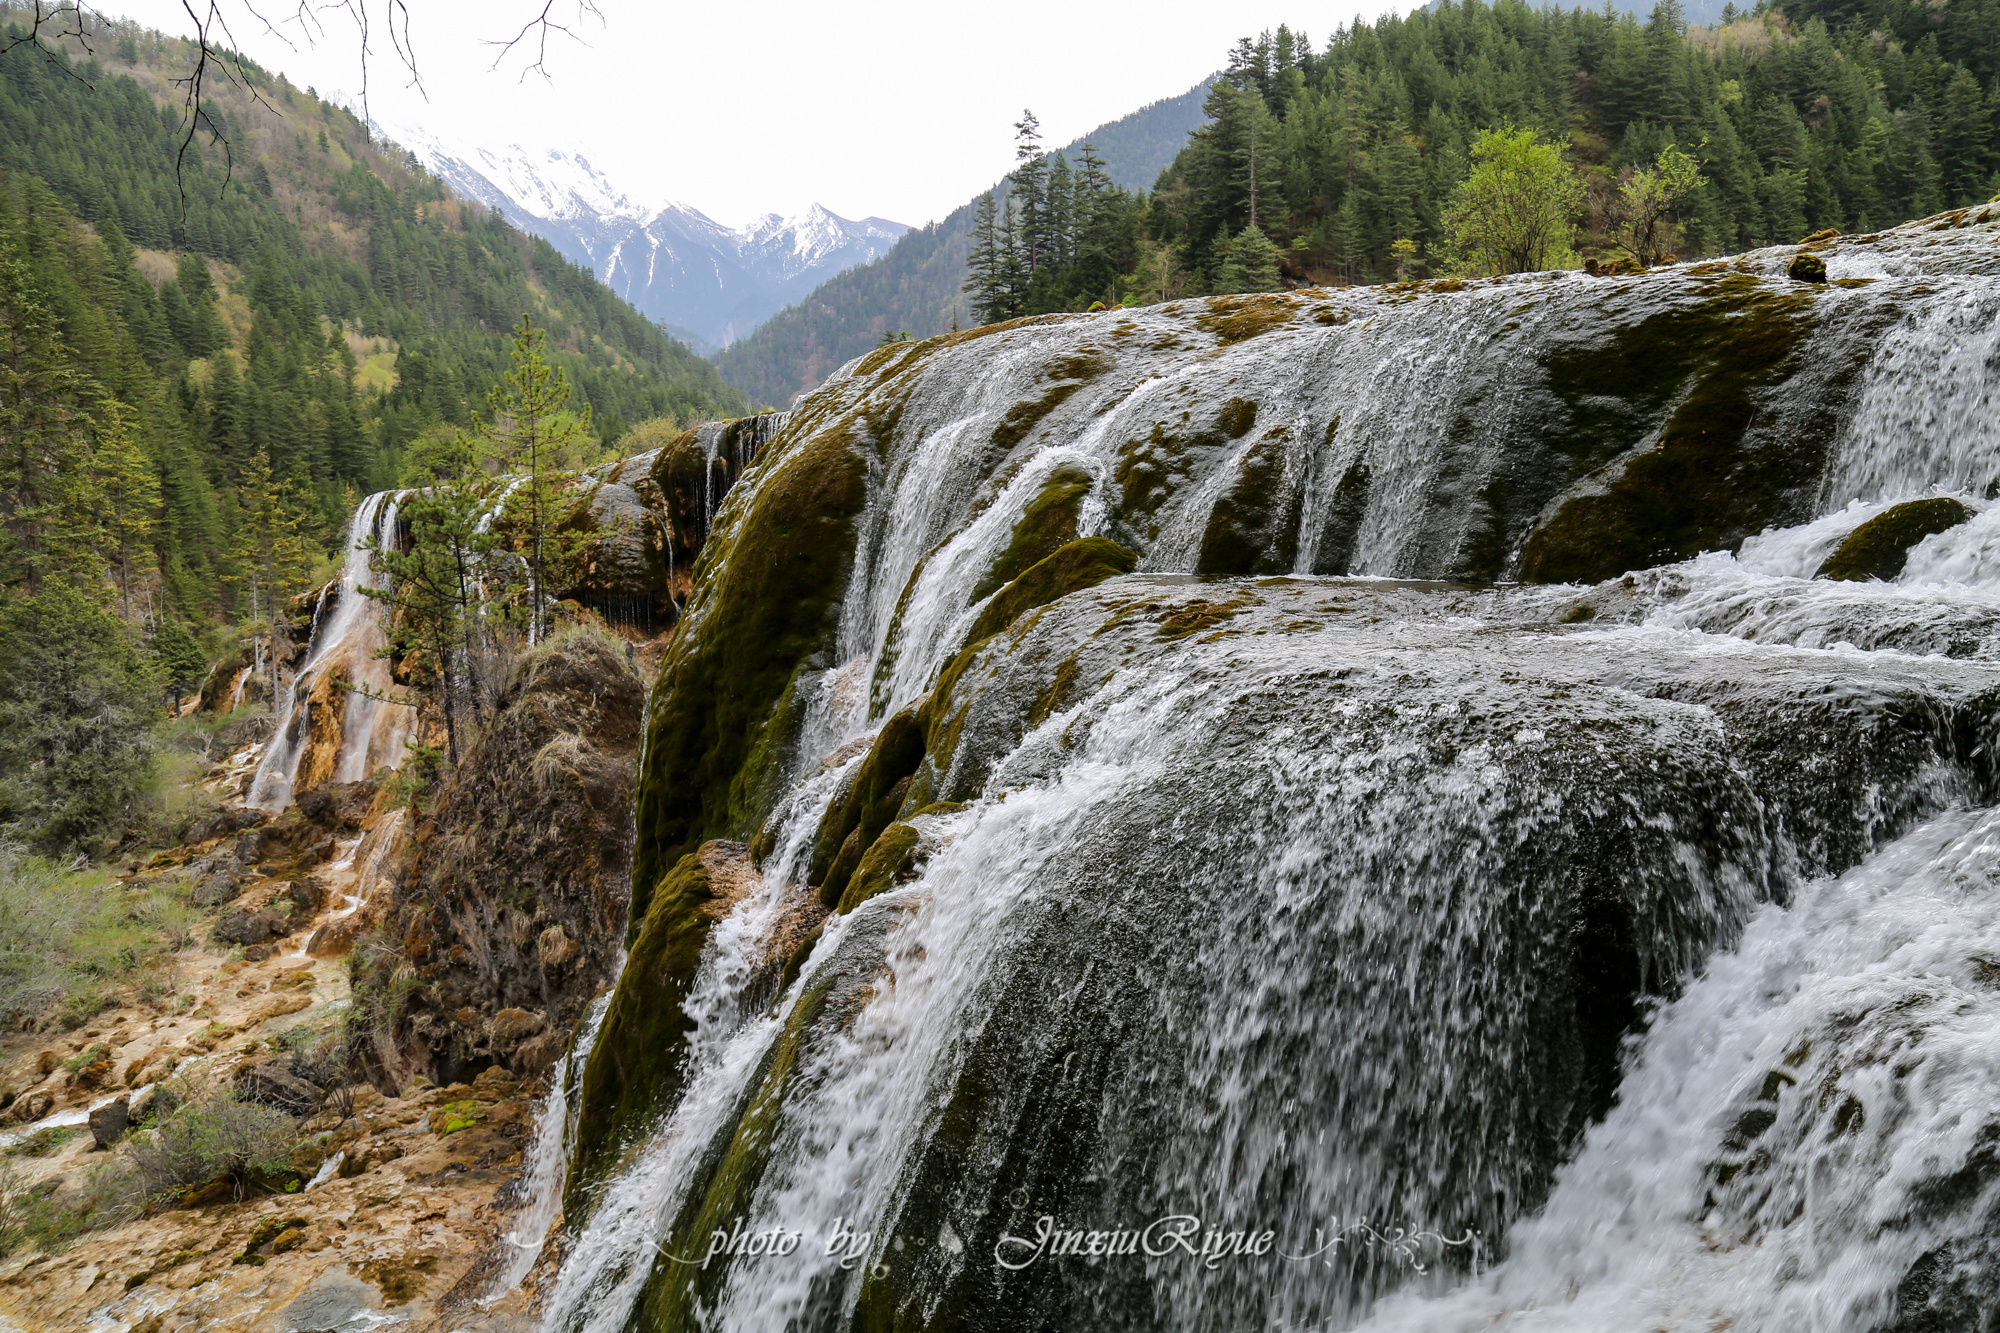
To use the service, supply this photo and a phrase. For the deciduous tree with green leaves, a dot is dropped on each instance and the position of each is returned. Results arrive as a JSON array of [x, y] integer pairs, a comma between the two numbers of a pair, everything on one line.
[[1643, 216], [1516, 211]]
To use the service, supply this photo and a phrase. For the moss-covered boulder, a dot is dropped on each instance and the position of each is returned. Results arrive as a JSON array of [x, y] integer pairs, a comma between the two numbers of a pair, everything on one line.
[[636, 1069], [859, 814], [1046, 526], [1806, 268], [1078, 565], [1879, 548], [890, 860], [766, 606], [1712, 476]]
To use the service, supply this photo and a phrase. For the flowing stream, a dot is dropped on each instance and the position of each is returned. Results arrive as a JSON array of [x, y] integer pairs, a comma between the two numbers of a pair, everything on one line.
[[1622, 955]]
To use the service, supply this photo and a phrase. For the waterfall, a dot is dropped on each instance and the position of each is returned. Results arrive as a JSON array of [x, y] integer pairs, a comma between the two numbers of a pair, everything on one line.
[[1808, 1124], [1608, 953], [345, 646], [547, 1161]]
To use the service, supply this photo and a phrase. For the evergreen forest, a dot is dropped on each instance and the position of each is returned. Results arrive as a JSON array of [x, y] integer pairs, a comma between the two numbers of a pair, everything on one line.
[[1339, 164]]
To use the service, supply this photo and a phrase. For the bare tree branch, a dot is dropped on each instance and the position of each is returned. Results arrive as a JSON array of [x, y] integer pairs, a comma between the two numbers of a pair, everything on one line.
[[225, 61], [541, 25], [54, 22]]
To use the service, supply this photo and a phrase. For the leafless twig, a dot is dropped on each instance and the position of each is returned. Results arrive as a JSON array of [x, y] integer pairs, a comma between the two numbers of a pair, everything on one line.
[[541, 25], [60, 21]]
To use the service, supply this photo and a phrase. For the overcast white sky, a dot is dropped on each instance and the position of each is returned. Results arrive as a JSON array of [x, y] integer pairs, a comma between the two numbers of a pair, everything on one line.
[[898, 108]]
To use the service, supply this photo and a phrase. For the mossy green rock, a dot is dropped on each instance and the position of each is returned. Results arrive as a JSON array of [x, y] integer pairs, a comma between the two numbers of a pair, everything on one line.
[[1078, 565], [769, 585], [1879, 548], [636, 1069], [1708, 479], [889, 861], [1047, 525], [852, 823], [1806, 268]]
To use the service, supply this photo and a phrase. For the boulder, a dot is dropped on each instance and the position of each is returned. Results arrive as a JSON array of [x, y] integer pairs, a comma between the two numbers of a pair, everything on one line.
[[538, 1054], [32, 1106], [223, 823], [247, 928], [1806, 268], [219, 885], [109, 1122], [338, 805], [1879, 548], [514, 1025], [271, 1086]]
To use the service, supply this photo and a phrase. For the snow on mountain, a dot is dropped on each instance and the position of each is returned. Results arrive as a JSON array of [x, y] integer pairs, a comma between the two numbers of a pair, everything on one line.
[[712, 284]]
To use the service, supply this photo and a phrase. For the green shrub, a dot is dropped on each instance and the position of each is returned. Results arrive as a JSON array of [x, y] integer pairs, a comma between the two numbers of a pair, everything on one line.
[[70, 941], [43, 1141], [208, 1137]]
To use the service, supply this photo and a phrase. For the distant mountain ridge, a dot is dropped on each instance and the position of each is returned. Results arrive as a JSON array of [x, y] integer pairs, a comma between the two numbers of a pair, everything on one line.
[[710, 284], [915, 287]]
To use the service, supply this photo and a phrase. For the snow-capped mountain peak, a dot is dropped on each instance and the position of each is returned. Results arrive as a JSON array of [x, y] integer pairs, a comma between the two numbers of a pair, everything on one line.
[[712, 284]]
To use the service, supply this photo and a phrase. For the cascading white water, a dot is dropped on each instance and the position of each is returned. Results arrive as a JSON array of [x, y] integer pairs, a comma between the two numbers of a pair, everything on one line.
[[347, 642], [1851, 1038], [547, 1162], [1261, 912]]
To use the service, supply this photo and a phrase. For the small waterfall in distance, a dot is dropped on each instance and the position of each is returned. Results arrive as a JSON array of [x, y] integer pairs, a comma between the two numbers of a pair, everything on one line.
[[1643, 927], [346, 644]]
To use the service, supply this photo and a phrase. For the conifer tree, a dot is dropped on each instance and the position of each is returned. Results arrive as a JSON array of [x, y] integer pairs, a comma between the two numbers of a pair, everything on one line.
[[271, 555], [1249, 264], [130, 493], [434, 587], [178, 659], [45, 510], [533, 434], [985, 264], [76, 711], [1030, 183]]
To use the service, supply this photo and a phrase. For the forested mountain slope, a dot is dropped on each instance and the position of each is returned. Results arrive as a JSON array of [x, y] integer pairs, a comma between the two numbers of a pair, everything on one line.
[[1852, 114], [290, 298], [916, 287], [1343, 158]]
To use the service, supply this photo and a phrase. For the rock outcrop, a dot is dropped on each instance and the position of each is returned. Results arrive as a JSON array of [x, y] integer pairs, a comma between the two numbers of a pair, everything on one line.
[[508, 914]]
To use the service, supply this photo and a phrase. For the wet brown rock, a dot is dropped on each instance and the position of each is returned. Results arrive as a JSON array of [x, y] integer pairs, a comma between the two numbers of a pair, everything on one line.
[[274, 1087], [109, 1122]]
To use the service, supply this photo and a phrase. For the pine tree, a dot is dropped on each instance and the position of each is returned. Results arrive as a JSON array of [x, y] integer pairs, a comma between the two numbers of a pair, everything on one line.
[[45, 510], [533, 435], [433, 587], [271, 555], [76, 711], [1030, 183], [130, 492], [178, 659], [1249, 264], [985, 265]]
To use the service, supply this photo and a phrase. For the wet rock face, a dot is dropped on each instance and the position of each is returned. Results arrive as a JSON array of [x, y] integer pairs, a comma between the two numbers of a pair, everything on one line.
[[512, 904], [1879, 548], [645, 520]]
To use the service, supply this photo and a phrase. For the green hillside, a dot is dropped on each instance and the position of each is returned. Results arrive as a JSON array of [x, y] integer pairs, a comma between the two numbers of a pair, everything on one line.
[[296, 297]]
